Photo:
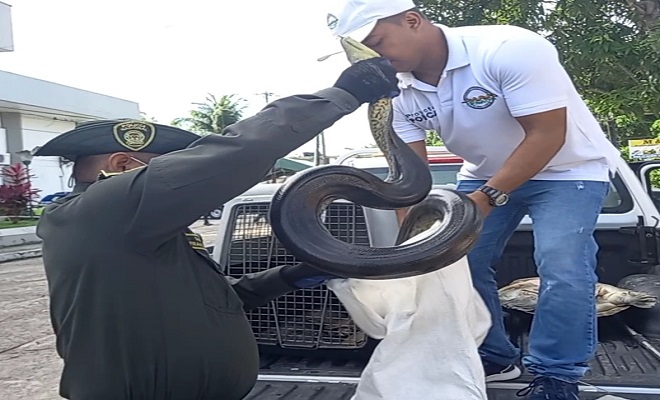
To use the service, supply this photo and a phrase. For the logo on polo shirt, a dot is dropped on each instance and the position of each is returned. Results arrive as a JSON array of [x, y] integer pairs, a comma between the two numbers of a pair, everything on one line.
[[422, 115], [478, 98]]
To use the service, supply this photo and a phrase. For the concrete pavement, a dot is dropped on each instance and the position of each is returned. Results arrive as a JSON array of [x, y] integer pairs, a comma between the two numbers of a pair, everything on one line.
[[13, 253]]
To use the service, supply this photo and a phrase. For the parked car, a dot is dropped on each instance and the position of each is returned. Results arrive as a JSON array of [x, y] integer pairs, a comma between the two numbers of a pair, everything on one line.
[[38, 209]]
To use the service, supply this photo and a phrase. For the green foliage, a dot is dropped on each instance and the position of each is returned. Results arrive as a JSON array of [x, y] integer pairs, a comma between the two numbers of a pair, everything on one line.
[[433, 139], [655, 128], [655, 178], [16, 191], [610, 48], [213, 116], [625, 153]]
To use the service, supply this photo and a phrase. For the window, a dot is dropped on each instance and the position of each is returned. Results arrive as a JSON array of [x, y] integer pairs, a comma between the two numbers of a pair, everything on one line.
[[652, 178]]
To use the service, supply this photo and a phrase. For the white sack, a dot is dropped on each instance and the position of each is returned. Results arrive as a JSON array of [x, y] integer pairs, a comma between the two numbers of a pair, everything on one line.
[[431, 327]]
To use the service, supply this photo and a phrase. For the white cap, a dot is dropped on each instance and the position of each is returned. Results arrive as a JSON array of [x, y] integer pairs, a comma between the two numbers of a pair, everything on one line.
[[357, 18]]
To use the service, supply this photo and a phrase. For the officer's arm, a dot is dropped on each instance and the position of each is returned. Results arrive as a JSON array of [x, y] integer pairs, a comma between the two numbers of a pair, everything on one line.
[[411, 134], [256, 290], [177, 188]]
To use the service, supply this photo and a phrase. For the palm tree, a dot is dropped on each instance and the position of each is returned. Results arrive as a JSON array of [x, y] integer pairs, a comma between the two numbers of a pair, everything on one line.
[[213, 116]]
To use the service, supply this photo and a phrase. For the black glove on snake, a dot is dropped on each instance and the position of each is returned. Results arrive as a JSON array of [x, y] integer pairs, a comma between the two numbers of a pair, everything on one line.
[[369, 80]]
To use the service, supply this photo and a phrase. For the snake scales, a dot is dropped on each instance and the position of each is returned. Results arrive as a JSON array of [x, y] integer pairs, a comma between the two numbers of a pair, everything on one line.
[[297, 206]]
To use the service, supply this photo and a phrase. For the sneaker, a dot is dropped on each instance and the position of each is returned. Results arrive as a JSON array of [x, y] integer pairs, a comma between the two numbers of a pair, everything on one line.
[[499, 373], [543, 388]]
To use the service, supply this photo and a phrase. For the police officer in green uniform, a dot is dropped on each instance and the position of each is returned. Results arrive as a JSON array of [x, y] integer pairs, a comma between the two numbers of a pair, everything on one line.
[[139, 308]]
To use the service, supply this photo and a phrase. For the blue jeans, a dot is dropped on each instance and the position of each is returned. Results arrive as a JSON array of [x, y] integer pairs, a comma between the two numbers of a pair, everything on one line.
[[563, 337]]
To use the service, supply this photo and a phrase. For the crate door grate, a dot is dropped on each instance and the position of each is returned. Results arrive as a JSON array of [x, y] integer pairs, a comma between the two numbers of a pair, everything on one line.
[[307, 318]]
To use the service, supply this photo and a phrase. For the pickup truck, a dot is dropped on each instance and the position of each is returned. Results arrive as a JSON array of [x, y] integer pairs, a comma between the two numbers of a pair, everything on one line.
[[311, 349]]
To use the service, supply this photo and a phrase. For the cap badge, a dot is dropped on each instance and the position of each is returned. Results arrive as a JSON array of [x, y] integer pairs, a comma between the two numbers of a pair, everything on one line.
[[134, 135]]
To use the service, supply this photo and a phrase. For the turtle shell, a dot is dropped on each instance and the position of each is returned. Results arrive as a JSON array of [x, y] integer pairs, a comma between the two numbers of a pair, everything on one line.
[[645, 321]]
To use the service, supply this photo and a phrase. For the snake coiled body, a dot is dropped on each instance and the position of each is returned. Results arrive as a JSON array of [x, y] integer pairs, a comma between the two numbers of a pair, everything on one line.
[[297, 206]]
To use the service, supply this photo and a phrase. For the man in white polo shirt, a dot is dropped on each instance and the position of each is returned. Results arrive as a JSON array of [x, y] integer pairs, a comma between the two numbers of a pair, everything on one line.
[[500, 99]]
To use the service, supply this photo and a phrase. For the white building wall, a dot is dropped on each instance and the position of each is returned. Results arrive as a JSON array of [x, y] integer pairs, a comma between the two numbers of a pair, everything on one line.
[[49, 175], [3, 138], [6, 35], [24, 94]]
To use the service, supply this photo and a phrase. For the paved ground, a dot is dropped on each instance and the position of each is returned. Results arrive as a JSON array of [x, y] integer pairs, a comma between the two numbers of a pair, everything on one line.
[[29, 365], [208, 233]]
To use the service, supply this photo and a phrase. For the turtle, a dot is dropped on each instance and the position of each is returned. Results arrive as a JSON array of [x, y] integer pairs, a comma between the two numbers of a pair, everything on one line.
[[522, 295]]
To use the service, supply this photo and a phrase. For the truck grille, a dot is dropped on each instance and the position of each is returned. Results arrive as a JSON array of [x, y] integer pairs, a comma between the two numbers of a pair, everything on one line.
[[307, 318]]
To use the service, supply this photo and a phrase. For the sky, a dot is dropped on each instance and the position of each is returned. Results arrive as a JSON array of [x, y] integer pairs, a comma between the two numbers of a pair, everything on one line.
[[165, 55]]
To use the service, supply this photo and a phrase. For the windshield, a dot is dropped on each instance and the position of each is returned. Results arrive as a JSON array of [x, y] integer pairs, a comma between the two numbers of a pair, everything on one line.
[[443, 174]]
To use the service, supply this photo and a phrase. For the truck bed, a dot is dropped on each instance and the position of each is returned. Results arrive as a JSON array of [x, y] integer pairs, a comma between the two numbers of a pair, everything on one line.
[[617, 362], [620, 367]]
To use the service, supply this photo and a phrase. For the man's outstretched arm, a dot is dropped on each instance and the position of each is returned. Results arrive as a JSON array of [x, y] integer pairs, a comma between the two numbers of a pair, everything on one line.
[[176, 188], [258, 289]]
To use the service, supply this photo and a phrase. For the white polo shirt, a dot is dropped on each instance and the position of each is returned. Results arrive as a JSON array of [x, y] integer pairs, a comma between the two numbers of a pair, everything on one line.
[[494, 74]]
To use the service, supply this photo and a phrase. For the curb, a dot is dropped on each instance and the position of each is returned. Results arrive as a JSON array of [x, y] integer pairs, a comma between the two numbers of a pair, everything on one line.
[[20, 236], [20, 255]]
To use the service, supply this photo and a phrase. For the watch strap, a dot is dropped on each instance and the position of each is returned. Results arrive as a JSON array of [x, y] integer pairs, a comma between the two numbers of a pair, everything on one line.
[[492, 193]]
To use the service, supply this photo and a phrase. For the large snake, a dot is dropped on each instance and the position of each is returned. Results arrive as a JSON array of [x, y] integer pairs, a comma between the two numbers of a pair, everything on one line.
[[297, 206]]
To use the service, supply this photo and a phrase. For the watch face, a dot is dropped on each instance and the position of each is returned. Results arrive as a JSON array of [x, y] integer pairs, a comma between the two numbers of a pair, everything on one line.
[[502, 199]]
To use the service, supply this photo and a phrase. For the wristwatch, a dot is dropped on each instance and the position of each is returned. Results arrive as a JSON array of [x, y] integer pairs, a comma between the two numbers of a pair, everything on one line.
[[498, 198]]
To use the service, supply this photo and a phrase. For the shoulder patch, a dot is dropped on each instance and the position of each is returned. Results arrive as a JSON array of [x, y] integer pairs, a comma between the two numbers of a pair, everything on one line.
[[195, 240]]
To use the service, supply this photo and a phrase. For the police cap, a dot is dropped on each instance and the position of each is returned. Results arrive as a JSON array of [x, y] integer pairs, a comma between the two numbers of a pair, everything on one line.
[[111, 136]]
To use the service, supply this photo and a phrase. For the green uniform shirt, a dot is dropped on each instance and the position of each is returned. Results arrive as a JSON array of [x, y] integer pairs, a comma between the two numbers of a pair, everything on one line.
[[142, 312]]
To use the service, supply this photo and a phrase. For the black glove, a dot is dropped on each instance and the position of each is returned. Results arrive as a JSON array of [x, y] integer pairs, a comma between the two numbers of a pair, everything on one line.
[[369, 80], [303, 275]]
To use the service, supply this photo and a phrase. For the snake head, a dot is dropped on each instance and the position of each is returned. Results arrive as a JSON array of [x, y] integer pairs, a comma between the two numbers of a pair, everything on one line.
[[356, 51]]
